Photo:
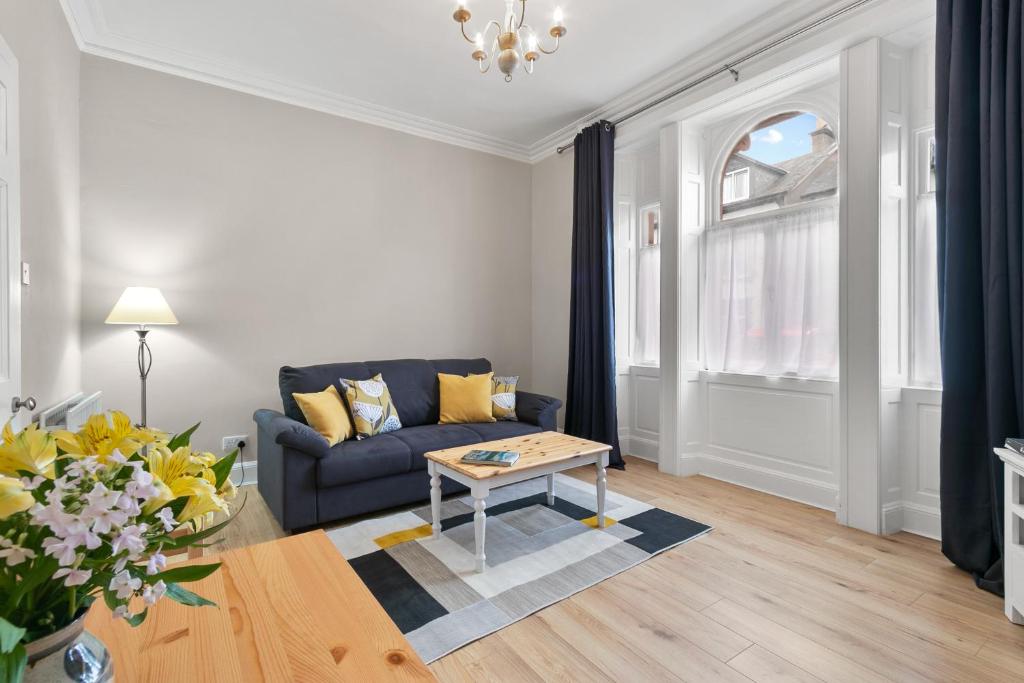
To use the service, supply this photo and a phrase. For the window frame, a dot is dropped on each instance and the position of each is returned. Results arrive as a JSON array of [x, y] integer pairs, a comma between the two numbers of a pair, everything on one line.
[[745, 171]]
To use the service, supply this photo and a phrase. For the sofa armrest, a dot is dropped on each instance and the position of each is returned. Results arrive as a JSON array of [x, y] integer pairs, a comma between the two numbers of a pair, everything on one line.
[[537, 409], [287, 454], [288, 432]]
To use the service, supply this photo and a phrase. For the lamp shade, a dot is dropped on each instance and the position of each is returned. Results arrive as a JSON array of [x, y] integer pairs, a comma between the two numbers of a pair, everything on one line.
[[141, 306]]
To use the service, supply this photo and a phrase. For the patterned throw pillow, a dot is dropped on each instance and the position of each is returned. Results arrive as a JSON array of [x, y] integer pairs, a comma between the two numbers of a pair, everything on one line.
[[503, 398], [372, 409]]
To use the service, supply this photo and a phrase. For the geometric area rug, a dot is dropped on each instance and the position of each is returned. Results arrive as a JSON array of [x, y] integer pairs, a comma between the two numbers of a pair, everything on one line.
[[536, 556]]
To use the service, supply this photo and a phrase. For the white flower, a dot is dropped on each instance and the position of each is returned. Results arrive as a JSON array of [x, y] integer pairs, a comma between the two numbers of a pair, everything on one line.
[[141, 484], [104, 519], [102, 497], [156, 563], [166, 516], [61, 549], [120, 564], [124, 585], [117, 458], [121, 612], [52, 516], [78, 533], [153, 593], [371, 387], [13, 554], [83, 466], [130, 539], [76, 577], [33, 483], [129, 505]]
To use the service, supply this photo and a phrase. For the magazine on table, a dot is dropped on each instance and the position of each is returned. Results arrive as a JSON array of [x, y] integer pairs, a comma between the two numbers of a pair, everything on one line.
[[499, 458]]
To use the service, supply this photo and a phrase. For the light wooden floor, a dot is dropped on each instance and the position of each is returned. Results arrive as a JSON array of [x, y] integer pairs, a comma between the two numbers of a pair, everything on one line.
[[778, 591]]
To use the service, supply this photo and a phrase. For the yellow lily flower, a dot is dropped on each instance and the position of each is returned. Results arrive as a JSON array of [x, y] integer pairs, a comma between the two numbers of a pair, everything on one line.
[[202, 499], [31, 450], [13, 497], [101, 438]]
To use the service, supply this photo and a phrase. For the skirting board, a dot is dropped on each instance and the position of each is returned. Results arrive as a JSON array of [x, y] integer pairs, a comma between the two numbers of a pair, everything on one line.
[[244, 473], [800, 489], [646, 449], [917, 519]]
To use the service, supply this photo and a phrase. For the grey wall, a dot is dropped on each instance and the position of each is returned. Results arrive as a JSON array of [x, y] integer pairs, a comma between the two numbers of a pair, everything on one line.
[[48, 62], [551, 248], [281, 235]]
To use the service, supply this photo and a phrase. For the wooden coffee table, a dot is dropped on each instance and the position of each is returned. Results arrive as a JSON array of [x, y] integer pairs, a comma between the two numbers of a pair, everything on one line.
[[540, 455], [287, 610]]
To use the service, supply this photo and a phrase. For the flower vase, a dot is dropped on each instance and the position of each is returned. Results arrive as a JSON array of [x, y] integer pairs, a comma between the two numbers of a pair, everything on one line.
[[70, 654]]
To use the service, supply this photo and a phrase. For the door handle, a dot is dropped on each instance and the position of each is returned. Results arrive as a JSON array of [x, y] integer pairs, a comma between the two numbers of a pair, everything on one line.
[[17, 404]]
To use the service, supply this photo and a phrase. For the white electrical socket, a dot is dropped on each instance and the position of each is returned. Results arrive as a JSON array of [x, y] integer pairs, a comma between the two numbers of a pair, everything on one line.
[[230, 443]]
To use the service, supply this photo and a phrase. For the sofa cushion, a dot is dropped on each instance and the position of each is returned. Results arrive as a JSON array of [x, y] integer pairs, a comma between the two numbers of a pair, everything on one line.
[[426, 438], [492, 431], [354, 461], [413, 383]]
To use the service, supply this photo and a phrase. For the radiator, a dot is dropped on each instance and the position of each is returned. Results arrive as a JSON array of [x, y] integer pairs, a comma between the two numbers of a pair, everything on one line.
[[72, 412]]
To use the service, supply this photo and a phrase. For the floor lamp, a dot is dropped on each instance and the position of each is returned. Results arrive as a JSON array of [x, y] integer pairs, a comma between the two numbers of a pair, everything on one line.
[[142, 306]]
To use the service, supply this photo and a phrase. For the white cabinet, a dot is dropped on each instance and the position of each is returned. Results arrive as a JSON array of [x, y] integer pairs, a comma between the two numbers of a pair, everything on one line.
[[1013, 552]]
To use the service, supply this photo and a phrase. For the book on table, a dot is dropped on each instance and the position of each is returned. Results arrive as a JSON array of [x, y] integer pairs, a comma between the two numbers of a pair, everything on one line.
[[499, 458]]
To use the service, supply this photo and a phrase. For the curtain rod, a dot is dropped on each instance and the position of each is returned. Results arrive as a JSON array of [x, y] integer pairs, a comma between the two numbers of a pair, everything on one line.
[[731, 66]]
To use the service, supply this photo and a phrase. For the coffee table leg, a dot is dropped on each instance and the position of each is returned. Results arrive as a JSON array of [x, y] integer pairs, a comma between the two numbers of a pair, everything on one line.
[[551, 489], [480, 526], [602, 487], [435, 499]]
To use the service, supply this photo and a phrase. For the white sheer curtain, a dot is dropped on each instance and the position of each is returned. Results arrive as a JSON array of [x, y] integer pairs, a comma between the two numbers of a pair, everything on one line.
[[648, 306], [771, 293], [925, 368]]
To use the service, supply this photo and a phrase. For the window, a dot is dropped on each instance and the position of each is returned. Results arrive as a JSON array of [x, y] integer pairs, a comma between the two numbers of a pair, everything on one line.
[[925, 369], [771, 276], [648, 289], [736, 186]]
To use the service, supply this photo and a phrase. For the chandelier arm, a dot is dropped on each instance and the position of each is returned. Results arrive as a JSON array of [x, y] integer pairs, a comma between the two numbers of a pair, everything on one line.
[[552, 50], [522, 14], [462, 25]]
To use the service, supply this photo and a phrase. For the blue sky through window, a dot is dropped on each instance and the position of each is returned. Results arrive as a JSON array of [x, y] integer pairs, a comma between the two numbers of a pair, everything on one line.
[[782, 141]]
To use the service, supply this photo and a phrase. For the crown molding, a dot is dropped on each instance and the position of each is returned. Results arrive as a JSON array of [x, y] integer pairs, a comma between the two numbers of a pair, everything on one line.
[[90, 33]]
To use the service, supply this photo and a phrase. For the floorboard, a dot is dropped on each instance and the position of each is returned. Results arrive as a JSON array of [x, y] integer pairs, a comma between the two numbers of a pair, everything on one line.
[[777, 592]]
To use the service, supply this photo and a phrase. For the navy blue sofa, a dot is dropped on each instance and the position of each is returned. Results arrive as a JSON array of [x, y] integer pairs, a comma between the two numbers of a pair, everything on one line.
[[305, 482]]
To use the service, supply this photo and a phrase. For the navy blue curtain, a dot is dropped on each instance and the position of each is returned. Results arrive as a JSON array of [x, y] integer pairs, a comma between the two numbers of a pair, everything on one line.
[[590, 396], [978, 165]]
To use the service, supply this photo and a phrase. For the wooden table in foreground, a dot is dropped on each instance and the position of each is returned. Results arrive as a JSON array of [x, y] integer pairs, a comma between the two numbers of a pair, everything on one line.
[[540, 455], [288, 610]]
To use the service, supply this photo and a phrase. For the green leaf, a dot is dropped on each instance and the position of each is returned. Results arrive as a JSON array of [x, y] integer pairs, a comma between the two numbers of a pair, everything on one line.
[[191, 539], [137, 619], [110, 598], [10, 636], [12, 664], [222, 468], [182, 439], [186, 574], [186, 597]]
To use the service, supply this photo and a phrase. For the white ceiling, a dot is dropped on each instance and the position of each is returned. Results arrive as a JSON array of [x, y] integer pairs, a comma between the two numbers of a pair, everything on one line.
[[403, 63]]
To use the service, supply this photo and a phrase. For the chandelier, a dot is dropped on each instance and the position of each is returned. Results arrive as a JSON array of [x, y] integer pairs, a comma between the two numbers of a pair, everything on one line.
[[514, 42]]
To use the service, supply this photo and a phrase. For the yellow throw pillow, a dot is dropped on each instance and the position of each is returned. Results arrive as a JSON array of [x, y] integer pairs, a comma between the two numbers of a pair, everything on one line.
[[372, 408], [325, 413], [503, 398], [465, 399]]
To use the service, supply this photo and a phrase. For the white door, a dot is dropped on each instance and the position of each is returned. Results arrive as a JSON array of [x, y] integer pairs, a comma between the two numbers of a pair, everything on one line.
[[10, 239]]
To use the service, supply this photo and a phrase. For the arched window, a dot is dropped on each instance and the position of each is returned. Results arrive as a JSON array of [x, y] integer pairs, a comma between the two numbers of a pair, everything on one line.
[[786, 159], [771, 287]]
